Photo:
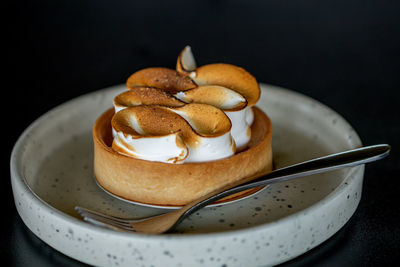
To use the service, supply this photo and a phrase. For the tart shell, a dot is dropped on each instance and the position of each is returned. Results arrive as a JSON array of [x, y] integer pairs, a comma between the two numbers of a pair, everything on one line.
[[161, 183]]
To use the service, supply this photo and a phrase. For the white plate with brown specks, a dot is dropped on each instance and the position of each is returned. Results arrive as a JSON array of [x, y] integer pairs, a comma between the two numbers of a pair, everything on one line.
[[51, 172]]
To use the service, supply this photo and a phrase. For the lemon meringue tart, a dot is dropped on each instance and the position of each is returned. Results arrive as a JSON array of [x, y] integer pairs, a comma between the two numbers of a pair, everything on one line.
[[176, 135]]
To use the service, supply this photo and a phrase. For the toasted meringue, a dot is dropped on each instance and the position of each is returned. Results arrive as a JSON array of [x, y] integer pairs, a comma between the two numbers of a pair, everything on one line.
[[191, 133], [217, 96], [221, 79], [224, 86], [163, 78], [230, 76], [186, 61], [241, 126], [145, 96], [226, 75]]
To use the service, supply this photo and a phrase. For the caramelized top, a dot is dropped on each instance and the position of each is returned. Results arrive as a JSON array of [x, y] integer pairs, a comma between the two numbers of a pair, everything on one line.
[[166, 79], [190, 122], [188, 102], [146, 96]]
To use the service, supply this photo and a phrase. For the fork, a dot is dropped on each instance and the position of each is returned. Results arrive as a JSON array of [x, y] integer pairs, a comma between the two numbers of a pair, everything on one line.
[[166, 222]]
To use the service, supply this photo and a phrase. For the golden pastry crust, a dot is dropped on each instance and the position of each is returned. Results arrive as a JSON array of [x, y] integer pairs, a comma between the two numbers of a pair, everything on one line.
[[175, 184]]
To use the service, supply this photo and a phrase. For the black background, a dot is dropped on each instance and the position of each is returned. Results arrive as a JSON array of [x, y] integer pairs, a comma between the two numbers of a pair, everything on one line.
[[342, 53]]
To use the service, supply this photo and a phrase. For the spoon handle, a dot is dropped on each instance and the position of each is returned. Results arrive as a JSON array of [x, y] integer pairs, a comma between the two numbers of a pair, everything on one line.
[[323, 164]]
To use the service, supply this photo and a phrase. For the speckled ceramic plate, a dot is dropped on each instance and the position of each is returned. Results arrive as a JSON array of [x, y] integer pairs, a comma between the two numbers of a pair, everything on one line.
[[51, 173]]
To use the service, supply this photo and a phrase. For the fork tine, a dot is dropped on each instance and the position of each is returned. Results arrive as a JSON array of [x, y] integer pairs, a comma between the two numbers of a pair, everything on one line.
[[98, 220], [101, 217], [103, 220], [110, 217], [107, 225]]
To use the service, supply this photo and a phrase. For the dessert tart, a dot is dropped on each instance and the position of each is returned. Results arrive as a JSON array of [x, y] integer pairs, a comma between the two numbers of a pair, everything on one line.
[[176, 135]]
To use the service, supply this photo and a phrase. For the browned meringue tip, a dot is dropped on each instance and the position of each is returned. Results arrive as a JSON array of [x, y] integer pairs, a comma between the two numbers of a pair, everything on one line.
[[191, 121], [230, 76], [206, 120], [186, 62], [162, 78], [215, 95], [226, 75], [146, 96]]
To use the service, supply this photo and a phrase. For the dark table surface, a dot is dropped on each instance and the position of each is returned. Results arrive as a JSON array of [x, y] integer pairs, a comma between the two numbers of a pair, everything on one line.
[[342, 53]]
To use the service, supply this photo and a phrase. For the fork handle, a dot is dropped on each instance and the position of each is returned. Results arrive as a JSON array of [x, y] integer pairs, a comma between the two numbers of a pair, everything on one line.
[[323, 164]]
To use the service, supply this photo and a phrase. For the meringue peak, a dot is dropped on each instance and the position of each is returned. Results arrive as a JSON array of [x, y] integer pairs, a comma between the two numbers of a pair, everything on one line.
[[215, 95], [186, 61], [167, 79]]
